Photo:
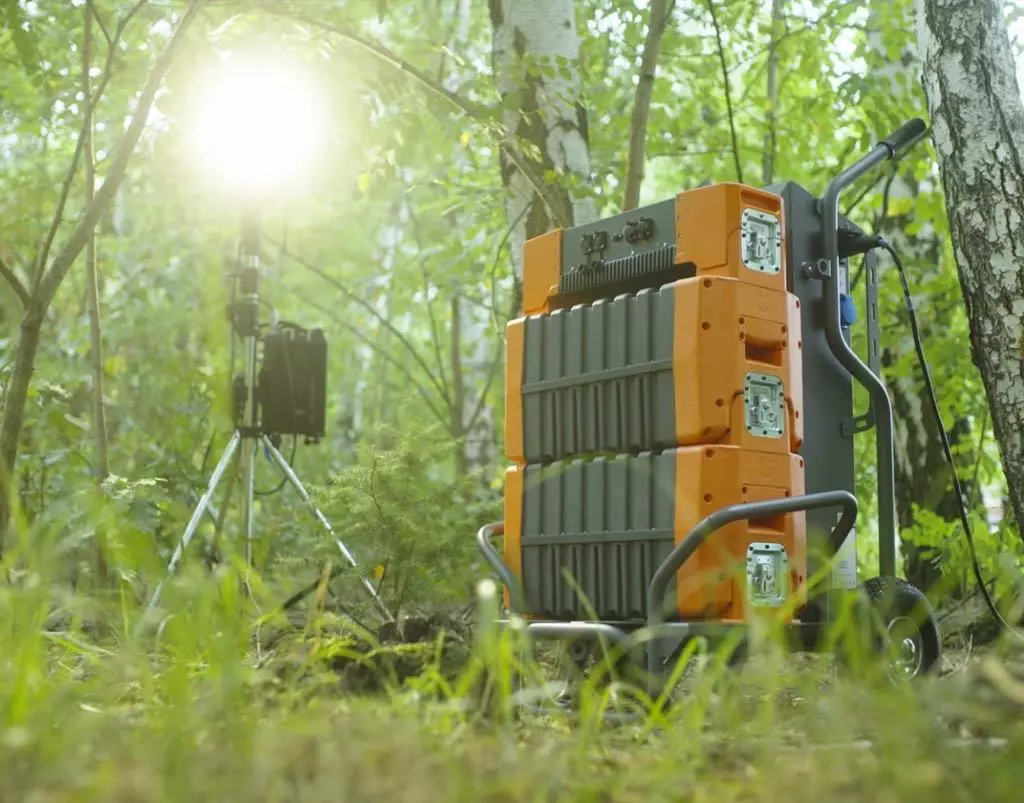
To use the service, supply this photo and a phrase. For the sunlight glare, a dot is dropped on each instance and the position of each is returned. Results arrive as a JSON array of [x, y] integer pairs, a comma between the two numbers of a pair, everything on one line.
[[257, 126]]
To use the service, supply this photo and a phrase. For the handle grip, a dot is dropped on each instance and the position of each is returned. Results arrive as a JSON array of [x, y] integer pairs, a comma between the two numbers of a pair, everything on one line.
[[905, 135]]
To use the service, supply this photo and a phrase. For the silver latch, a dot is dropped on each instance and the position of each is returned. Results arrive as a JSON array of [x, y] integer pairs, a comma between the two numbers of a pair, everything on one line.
[[761, 241], [764, 405], [767, 575]]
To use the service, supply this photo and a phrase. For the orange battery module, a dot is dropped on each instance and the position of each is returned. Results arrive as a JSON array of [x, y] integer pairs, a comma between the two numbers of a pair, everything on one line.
[[720, 230], [610, 520], [701, 360]]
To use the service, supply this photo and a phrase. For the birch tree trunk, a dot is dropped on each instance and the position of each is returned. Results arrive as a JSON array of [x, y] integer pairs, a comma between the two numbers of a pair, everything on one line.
[[543, 115], [978, 120]]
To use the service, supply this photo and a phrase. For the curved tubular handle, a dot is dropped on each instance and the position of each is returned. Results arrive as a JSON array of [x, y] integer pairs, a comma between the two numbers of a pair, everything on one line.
[[496, 562], [905, 136], [594, 630], [727, 515], [881, 405]]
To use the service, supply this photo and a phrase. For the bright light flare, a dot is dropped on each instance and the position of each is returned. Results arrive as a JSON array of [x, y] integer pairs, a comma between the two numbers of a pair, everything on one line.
[[257, 125]]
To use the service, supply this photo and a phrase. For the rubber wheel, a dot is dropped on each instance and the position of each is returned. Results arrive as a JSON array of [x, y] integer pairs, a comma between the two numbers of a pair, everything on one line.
[[906, 631]]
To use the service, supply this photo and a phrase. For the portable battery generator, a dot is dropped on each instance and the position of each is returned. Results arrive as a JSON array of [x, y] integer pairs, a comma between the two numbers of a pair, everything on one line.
[[680, 423]]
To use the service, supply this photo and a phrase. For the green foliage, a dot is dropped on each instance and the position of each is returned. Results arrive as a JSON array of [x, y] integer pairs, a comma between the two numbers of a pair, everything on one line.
[[417, 529], [19, 34], [200, 717], [398, 247], [999, 553]]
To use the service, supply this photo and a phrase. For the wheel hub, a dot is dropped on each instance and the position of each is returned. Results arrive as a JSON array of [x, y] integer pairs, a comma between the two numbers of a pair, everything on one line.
[[907, 648]]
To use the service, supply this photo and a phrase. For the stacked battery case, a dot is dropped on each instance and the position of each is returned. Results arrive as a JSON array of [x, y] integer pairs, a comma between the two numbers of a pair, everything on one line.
[[654, 379]]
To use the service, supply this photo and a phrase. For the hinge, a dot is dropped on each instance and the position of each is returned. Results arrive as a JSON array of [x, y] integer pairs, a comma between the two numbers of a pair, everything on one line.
[[817, 269], [858, 423]]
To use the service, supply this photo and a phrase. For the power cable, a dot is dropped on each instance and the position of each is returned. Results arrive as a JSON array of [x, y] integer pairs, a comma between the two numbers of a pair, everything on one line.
[[881, 242]]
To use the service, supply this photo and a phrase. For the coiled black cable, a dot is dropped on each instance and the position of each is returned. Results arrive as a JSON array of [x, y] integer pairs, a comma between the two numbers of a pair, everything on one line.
[[933, 400]]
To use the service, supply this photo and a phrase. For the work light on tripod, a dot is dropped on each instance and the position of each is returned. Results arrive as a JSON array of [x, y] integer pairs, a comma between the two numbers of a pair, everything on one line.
[[255, 135]]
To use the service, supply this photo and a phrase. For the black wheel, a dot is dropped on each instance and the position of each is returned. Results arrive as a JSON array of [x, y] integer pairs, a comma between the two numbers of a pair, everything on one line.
[[909, 636]]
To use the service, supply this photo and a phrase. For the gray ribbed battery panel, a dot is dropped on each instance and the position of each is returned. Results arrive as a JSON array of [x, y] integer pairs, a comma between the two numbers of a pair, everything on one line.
[[598, 378], [608, 523]]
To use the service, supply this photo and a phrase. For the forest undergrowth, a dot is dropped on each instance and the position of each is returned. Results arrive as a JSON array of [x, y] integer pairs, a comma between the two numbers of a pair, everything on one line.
[[218, 698], [218, 694]]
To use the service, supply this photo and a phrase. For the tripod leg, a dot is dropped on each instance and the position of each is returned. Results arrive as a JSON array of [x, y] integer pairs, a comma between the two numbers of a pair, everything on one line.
[[293, 478], [197, 514], [217, 515], [249, 478]]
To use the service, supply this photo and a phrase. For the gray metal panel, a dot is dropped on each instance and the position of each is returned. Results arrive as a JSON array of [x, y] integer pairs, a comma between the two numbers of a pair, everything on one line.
[[828, 388], [598, 378], [619, 248], [608, 522]]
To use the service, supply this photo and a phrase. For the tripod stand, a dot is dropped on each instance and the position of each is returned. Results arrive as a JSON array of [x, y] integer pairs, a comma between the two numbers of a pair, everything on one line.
[[248, 435]]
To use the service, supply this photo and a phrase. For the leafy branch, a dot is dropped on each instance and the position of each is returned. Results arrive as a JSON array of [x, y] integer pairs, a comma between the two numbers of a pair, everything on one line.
[[421, 389], [435, 336], [492, 372], [124, 152], [474, 110], [16, 284], [76, 158], [661, 12], [728, 91], [484, 115], [48, 280], [111, 42], [362, 302]]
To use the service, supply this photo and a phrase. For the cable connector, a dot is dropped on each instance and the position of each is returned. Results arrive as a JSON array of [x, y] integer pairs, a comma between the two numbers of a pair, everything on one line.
[[847, 310], [853, 242]]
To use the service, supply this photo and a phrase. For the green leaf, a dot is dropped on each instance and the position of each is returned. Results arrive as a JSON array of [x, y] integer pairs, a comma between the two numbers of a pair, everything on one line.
[[512, 101], [81, 423], [24, 41]]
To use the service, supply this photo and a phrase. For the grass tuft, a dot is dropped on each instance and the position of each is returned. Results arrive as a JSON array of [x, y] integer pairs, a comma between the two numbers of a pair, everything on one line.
[[220, 698]]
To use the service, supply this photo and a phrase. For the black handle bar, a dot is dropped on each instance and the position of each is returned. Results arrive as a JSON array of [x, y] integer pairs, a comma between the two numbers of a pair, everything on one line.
[[905, 136], [881, 405]]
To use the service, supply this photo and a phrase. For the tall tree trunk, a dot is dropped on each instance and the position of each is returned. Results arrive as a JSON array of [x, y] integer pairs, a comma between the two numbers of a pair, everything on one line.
[[661, 12], [458, 388], [543, 111], [772, 91], [978, 120], [92, 276], [478, 425], [14, 404]]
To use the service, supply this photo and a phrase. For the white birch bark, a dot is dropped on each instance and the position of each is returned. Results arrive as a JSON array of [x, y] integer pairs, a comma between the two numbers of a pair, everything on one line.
[[978, 120], [543, 111]]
